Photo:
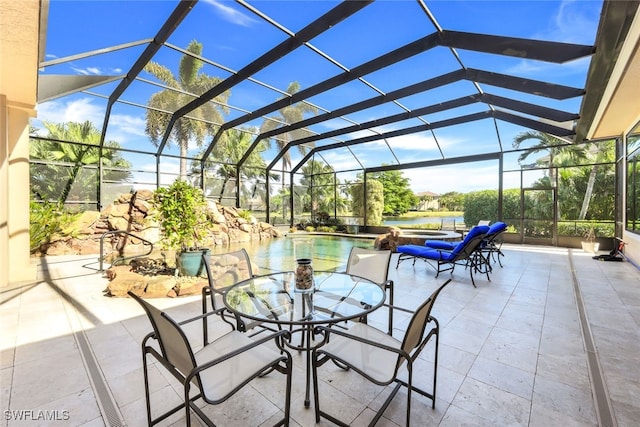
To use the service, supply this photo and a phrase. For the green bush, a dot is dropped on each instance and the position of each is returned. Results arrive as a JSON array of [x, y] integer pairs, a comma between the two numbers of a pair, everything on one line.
[[182, 214], [581, 229], [45, 220], [244, 214], [483, 205]]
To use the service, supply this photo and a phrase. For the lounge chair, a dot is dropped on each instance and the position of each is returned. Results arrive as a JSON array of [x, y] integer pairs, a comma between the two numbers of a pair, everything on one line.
[[490, 247], [464, 253]]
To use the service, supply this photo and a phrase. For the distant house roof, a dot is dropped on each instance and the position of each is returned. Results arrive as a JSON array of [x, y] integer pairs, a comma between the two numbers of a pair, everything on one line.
[[427, 193]]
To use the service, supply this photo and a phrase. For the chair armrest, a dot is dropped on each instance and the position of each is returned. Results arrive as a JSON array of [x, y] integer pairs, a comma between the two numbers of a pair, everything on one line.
[[278, 337], [326, 331], [218, 311]]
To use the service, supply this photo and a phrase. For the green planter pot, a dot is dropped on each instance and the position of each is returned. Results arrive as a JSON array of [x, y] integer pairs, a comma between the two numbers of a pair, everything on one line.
[[190, 262]]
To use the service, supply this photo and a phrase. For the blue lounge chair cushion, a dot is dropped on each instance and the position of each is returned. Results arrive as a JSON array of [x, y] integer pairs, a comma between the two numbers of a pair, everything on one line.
[[446, 255], [441, 244], [494, 229], [497, 227]]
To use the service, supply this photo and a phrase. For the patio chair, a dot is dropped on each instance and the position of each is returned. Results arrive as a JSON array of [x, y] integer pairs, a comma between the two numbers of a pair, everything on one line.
[[373, 265], [464, 253], [233, 267], [378, 357], [218, 370]]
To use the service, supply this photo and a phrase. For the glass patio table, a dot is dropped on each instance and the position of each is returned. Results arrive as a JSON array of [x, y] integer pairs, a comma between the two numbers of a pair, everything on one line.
[[273, 298]]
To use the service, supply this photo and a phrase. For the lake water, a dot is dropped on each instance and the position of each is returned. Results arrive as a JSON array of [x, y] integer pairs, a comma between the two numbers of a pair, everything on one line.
[[278, 254], [396, 221]]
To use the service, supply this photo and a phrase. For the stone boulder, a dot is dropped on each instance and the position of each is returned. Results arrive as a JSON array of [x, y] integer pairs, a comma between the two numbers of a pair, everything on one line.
[[389, 240]]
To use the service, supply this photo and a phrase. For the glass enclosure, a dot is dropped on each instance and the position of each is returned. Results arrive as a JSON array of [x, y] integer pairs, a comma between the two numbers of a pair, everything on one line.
[[311, 116]]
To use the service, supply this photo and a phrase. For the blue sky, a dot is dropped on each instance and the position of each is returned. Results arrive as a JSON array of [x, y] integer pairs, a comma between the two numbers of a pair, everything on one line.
[[233, 35]]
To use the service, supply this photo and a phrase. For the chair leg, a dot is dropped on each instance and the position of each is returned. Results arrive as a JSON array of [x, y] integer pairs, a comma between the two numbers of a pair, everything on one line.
[[145, 372], [409, 381], [205, 326], [435, 366], [187, 407], [287, 403], [316, 395], [390, 287]]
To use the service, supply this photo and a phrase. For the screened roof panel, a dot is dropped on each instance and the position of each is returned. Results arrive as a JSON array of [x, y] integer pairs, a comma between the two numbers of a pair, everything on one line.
[[574, 22], [232, 35], [460, 67], [452, 113], [366, 34], [370, 154], [570, 73], [465, 139], [341, 159], [82, 26], [416, 147], [415, 69], [293, 15], [439, 96], [302, 65]]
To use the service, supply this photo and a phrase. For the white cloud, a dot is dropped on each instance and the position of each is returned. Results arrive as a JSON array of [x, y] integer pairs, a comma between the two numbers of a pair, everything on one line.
[[529, 67], [231, 14], [77, 110], [122, 128], [97, 71], [574, 22], [127, 126]]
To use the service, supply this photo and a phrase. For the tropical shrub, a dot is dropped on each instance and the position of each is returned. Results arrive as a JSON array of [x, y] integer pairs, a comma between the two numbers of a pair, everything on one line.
[[182, 214], [47, 219], [375, 201]]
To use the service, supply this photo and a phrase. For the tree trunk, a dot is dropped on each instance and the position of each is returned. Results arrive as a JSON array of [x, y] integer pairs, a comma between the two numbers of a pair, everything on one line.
[[183, 160], [224, 186], [588, 192]]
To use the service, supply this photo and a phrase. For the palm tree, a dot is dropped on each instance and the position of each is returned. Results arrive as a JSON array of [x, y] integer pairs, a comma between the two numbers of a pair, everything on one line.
[[49, 181], [181, 90], [600, 155], [319, 178], [229, 150], [288, 115], [551, 144], [557, 149]]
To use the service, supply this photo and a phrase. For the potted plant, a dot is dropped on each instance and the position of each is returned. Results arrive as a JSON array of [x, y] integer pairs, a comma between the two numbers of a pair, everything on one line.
[[182, 215], [590, 245]]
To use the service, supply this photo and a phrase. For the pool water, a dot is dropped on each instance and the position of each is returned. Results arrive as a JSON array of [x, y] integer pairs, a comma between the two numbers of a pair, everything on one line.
[[278, 254]]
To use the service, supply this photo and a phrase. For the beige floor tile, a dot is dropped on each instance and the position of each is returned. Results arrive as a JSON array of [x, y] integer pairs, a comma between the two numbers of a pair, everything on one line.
[[511, 350]]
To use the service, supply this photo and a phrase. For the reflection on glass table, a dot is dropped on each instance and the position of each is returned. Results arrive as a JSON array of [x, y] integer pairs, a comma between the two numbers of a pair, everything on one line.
[[335, 297]]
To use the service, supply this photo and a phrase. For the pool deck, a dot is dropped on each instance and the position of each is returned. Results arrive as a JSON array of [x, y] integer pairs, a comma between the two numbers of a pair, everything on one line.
[[553, 339]]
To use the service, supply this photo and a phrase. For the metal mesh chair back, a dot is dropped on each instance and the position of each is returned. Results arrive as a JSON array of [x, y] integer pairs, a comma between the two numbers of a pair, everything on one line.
[[421, 317], [371, 264], [173, 343], [225, 270]]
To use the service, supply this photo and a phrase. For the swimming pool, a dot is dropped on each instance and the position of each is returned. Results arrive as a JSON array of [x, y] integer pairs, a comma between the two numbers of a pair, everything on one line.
[[277, 254]]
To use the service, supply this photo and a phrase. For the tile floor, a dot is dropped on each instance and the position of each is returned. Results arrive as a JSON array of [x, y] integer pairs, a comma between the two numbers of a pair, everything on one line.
[[514, 351]]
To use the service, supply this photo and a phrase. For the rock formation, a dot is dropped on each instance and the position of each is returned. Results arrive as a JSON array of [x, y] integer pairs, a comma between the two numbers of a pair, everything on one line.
[[135, 213]]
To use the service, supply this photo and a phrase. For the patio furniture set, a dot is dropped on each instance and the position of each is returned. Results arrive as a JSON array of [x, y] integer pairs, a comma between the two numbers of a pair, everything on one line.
[[269, 317]]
